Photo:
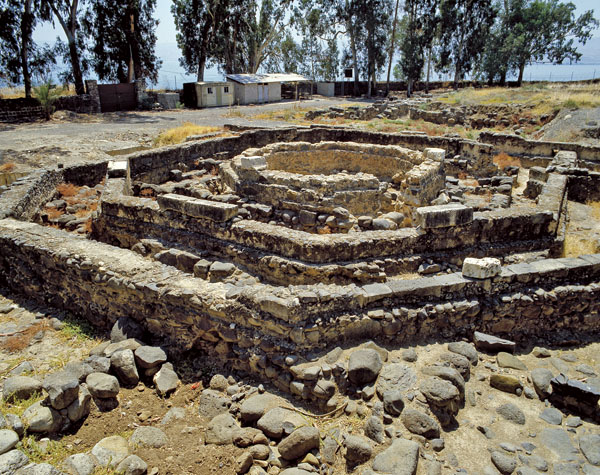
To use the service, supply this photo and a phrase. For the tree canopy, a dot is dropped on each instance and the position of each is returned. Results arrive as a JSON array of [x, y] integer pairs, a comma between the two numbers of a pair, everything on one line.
[[123, 40], [313, 37]]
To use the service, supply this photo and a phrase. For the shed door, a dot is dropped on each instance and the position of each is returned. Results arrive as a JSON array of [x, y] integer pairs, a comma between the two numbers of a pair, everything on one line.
[[266, 93], [260, 93]]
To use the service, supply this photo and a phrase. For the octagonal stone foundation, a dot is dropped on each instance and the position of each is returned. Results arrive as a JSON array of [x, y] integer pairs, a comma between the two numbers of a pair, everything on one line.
[[364, 179]]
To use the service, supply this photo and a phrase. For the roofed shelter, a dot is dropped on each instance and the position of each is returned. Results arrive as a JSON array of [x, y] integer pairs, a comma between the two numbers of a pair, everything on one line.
[[261, 88]]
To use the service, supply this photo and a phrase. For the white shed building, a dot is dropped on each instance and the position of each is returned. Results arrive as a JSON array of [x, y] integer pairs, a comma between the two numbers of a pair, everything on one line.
[[260, 88]]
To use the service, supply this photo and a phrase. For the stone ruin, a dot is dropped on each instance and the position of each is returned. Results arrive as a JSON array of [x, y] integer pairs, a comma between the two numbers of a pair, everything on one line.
[[298, 237], [270, 248]]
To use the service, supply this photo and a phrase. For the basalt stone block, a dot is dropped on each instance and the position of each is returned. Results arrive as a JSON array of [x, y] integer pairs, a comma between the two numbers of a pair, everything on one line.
[[492, 343], [197, 208], [442, 216]]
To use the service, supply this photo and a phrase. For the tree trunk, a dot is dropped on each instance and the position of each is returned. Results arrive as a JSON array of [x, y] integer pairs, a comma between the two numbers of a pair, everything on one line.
[[75, 64], [354, 60], [387, 87], [70, 30], [131, 66], [521, 71], [26, 31], [409, 87], [428, 70], [201, 66], [456, 75]]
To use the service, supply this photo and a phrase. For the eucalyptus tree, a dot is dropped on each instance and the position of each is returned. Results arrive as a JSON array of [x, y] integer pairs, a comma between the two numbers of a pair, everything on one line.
[[20, 57], [122, 39], [420, 24], [464, 30]]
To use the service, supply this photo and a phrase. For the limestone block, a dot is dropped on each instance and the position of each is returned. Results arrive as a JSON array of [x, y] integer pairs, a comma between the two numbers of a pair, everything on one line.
[[437, 154], [253, 162], [481, 268], [441, 216], [565, 158], [198, 208], [117, 168]]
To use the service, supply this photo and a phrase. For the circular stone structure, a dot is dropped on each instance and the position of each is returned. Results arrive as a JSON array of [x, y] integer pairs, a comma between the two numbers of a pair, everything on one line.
[[364, 179]]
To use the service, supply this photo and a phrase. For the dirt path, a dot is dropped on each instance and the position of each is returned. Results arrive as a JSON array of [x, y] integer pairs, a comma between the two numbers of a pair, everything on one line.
[[88, 138]]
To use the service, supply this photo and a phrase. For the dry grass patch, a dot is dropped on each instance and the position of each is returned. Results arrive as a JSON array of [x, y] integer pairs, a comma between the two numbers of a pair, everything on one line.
[[541, 98], [21, 340], [68, 190], [503, 160], [295, 114], [179, 134], [7, 167], [576, 245], [12, 92], [53, 452], [18, 406]]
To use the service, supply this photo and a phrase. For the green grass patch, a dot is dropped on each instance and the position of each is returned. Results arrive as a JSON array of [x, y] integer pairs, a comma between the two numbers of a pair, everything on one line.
[[78, 330], [18, 406], [52, 452]]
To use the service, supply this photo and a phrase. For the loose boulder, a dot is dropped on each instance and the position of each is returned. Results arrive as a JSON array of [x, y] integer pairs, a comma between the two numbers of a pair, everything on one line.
[[364, 366], [299, 443]]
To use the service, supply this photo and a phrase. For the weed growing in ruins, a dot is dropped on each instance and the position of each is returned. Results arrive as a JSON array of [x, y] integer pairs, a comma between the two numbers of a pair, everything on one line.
[[503, 160], [105, 471], [52, 451], [179, 134], [18, 406], [12, 363], [77, 330], [7, 167], [67, 190], [54, 213], [21, 340]]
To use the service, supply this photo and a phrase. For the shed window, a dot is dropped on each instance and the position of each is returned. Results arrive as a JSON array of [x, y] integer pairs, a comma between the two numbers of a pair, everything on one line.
[[209, 90], [226, 89]]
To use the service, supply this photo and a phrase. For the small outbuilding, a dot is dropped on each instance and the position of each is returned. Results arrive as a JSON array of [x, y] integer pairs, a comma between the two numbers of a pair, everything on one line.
[[208, 94], [261, 88]]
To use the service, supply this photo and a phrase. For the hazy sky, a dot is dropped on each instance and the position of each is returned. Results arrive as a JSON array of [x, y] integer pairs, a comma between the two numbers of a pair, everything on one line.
[[166, 28]]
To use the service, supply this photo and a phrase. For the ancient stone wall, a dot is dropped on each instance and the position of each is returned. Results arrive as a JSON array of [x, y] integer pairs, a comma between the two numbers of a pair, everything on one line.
[[21, 110], [154, 166], [519, 146], [25, 196], [132, 215], [254, 328], [82, 104]]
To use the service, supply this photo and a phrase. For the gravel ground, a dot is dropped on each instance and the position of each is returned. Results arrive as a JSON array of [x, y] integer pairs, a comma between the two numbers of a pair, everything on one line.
[[569, 126]]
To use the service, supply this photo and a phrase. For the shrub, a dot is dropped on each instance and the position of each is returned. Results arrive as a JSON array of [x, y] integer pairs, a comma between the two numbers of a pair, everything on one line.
[[47, 95]]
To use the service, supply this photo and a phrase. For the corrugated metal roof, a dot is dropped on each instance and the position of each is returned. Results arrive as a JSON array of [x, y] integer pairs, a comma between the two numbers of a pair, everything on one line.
[[262, 78], [211, 83]]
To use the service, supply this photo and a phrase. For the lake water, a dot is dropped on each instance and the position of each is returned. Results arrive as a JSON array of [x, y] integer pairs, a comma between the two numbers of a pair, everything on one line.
[[172, 76]]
